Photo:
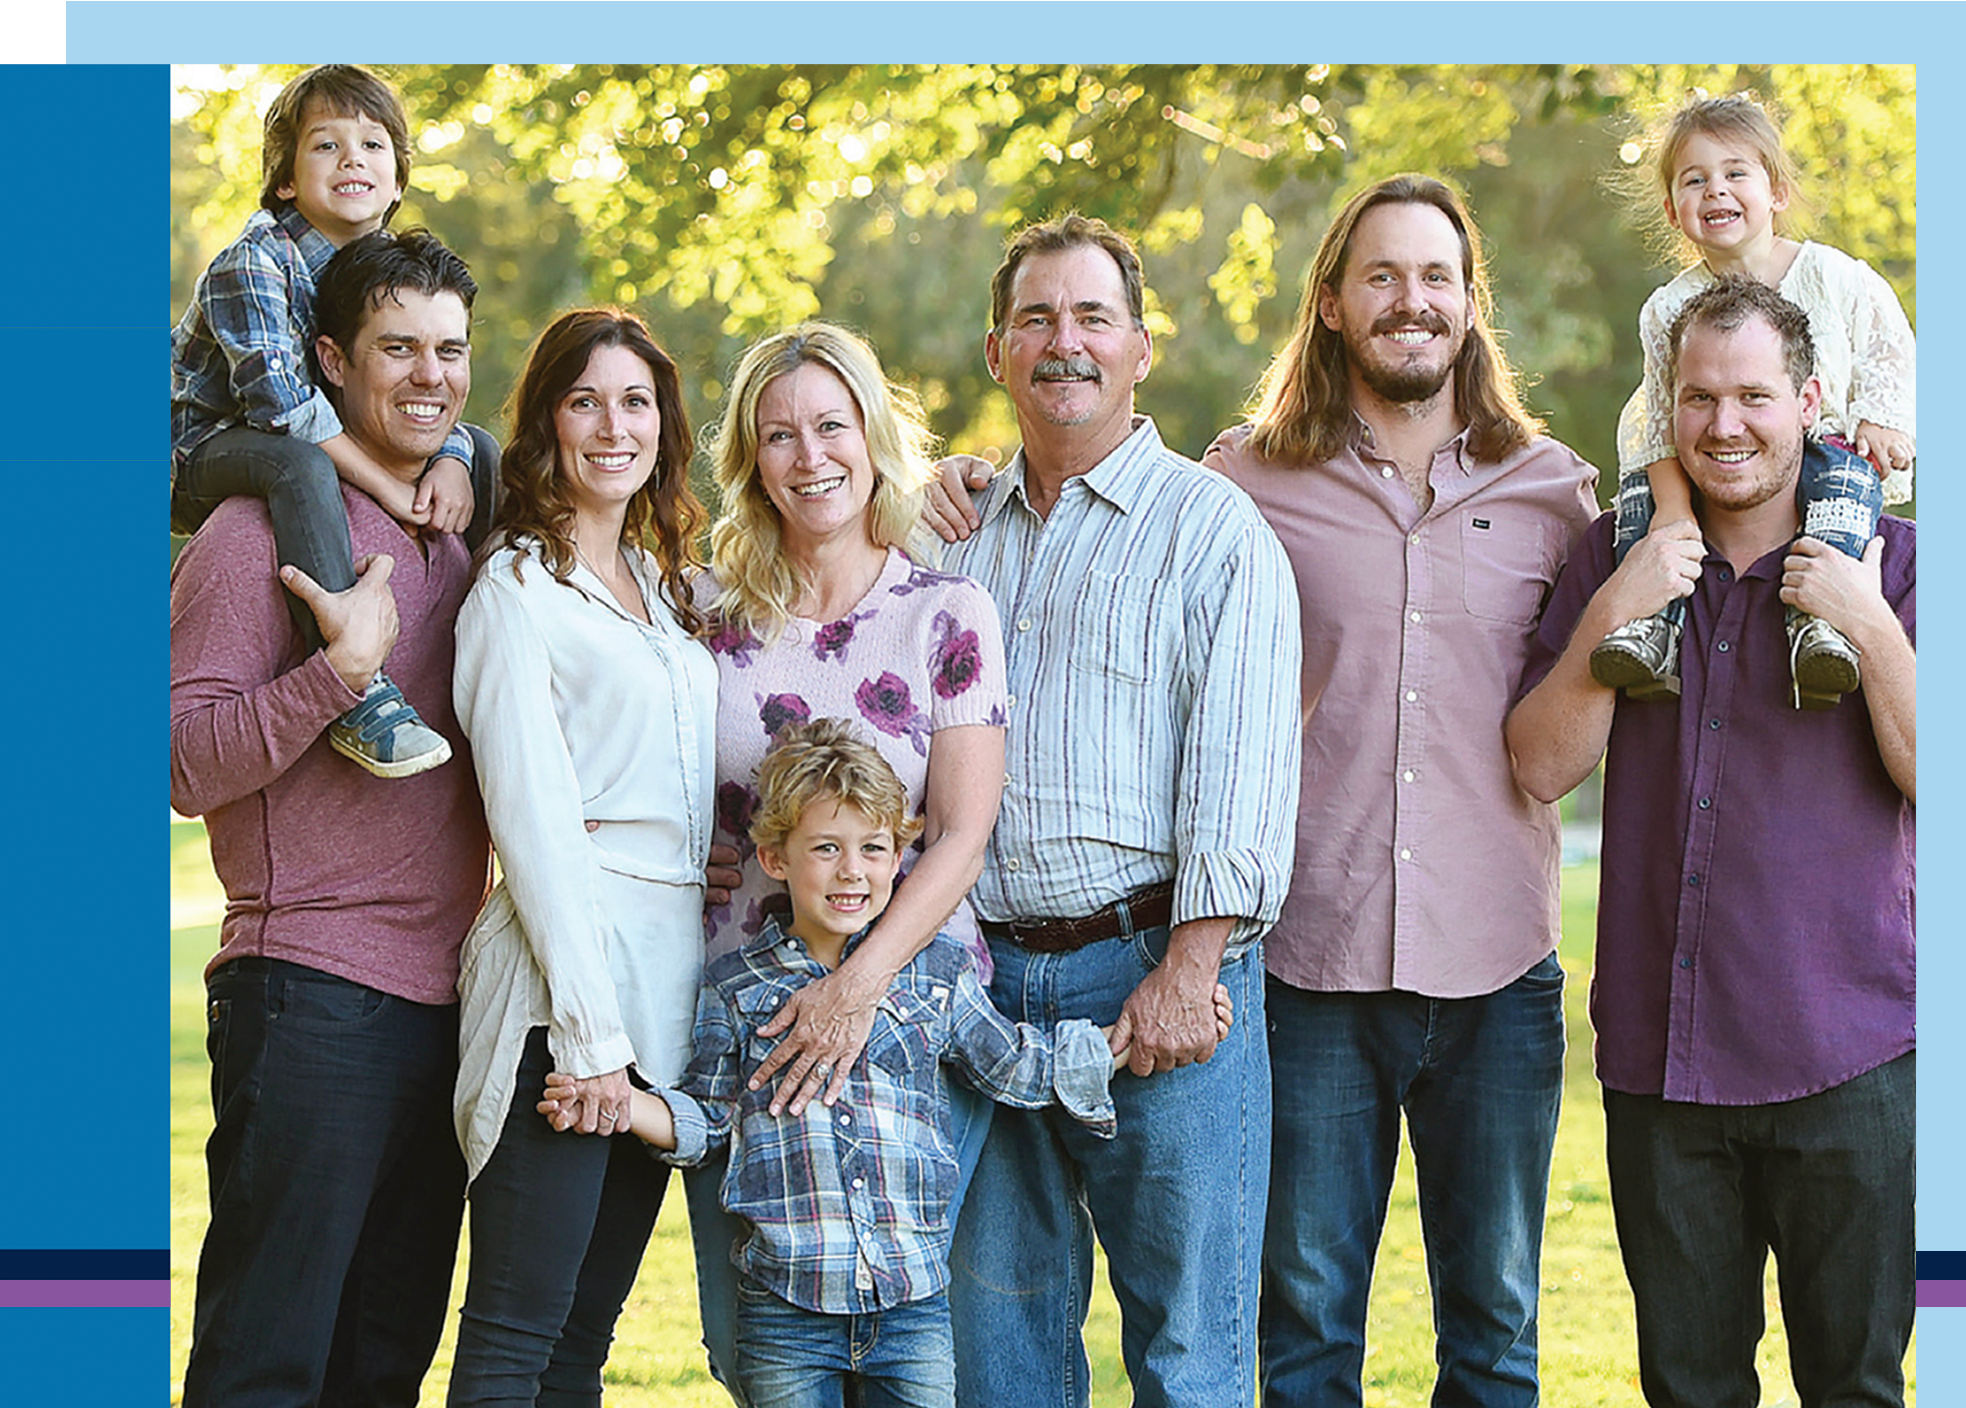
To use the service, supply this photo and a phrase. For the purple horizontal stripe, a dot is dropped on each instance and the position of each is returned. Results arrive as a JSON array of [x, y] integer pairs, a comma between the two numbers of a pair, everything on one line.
[[1941, 1293], [85, 1293]]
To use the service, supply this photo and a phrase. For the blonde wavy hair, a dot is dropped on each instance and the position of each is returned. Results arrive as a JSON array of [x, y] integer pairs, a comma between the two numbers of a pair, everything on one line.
[[758, 581], [827, 761]]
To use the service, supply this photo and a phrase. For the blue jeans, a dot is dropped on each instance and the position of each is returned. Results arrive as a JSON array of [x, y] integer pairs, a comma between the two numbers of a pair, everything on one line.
[[793, 1358], [1177, 1200], [1838, 494], [1479, 1080], [713, 1230], [558, 1226], [302, 492], [336, 1191], [1702, 1193]]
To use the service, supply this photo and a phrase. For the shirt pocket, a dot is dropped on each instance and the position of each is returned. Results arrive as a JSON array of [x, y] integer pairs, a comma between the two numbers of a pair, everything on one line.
[[1505, 568], [1117, 622], [756, 1005], [902, 1042]]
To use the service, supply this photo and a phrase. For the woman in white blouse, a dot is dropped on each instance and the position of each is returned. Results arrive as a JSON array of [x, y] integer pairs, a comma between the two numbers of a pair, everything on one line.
[[590, 707]]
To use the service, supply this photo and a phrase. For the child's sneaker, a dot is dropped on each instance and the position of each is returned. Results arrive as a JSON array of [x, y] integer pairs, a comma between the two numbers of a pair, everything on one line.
[[1641, 657], [386, 736], [1821, 660]]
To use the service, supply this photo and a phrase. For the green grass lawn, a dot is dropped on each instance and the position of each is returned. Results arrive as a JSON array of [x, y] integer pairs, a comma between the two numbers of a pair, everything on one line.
[[1587, 1352]]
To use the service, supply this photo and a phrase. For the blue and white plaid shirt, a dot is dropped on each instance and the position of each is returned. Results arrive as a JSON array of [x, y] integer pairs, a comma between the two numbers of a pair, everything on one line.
[[1150, 629], [849, 1206], [239, 354]]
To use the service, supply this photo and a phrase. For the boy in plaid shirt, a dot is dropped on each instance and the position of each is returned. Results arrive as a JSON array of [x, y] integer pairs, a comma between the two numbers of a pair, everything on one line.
[[246, 414], [843, 1275]]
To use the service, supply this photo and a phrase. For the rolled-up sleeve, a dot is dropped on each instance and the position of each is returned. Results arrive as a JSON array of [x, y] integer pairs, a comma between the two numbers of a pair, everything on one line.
[[1236, 798]]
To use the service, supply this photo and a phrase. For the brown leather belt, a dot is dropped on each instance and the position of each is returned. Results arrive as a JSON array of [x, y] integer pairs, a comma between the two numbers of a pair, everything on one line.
[[1149, 908]]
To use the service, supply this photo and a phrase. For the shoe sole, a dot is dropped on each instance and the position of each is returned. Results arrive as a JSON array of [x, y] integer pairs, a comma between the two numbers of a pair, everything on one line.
[[404, 767], [1826, 673], [1620, 669]]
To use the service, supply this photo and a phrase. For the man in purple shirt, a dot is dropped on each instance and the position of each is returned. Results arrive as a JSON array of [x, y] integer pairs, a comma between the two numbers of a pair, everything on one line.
[[335, 1178], [1413, 970], [1753, 997]]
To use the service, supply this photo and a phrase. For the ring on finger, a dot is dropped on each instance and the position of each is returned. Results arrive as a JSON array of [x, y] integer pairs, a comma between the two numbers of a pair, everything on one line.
[[823, 1069]]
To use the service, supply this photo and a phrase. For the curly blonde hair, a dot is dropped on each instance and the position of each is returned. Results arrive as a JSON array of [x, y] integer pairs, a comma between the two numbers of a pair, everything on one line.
[[758, 581], [826, 761]]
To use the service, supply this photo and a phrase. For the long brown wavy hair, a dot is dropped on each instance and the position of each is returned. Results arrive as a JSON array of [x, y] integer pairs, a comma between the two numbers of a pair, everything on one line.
[[664, 516], [1304, 407]]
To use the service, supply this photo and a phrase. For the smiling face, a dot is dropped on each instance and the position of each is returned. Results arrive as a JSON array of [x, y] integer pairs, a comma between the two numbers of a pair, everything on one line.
[[839, 865], [608, 428], [1069, 352], [344, 179], [812, 457], [403, 378], [1738, 419], [1400, 303], [1722, 198]]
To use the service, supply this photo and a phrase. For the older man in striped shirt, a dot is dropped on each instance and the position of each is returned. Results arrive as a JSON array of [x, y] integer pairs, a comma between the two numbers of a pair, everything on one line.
[[1152, 642]]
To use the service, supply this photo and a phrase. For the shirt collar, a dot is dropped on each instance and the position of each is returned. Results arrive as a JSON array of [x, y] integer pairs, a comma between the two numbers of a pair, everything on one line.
[[1362, 438], [1120, 478], [315, 250], [772, 934]]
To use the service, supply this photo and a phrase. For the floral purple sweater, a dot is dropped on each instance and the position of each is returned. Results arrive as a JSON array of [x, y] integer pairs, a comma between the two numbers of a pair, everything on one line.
[[921, 651]]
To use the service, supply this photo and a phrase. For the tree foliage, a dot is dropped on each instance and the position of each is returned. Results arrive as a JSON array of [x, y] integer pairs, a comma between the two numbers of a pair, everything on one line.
[[727, 201]]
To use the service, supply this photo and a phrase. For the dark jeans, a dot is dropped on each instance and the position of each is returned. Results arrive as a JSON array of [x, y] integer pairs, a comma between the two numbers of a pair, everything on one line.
[[558, 1226], [1479, 1080], [1702, 1194], [302, 492], [336, 1192]]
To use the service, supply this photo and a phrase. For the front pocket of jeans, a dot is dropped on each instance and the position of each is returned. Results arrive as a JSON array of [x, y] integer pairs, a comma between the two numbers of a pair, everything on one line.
[[318, 1000]]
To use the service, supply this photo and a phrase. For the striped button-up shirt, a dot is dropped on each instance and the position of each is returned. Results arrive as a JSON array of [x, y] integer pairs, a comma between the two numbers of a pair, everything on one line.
[[1151, 638], [239, 355], [848, 1206]]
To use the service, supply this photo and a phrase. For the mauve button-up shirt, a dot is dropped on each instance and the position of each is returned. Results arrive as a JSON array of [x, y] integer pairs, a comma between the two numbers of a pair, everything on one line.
[[1754, 939], [1420, 864]]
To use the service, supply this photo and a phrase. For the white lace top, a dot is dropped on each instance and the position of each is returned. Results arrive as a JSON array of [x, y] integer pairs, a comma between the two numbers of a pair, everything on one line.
[[1866, 358]]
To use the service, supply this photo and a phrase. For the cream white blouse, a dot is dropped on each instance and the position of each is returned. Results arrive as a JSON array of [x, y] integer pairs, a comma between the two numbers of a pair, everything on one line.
[[577, 713]]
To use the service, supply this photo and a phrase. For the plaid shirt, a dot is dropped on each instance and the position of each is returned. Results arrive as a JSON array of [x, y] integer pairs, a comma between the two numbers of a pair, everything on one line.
[[848, 1207], [239, 355]]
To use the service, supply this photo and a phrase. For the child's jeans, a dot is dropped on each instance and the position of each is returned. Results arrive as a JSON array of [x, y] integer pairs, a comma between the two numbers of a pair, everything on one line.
[[302, 492], [1838, 495], [793, 1358]]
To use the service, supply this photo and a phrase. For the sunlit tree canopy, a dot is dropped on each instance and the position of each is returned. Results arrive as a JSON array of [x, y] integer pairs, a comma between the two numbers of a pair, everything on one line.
[[725, 202]]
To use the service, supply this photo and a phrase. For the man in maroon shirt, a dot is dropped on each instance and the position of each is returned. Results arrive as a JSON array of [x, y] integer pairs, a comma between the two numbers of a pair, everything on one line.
[[335, 1179], [1753, 997]]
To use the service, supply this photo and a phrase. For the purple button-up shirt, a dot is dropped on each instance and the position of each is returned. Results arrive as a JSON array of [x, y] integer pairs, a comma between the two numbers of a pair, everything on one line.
[[1754, 936], [1420, 865]]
